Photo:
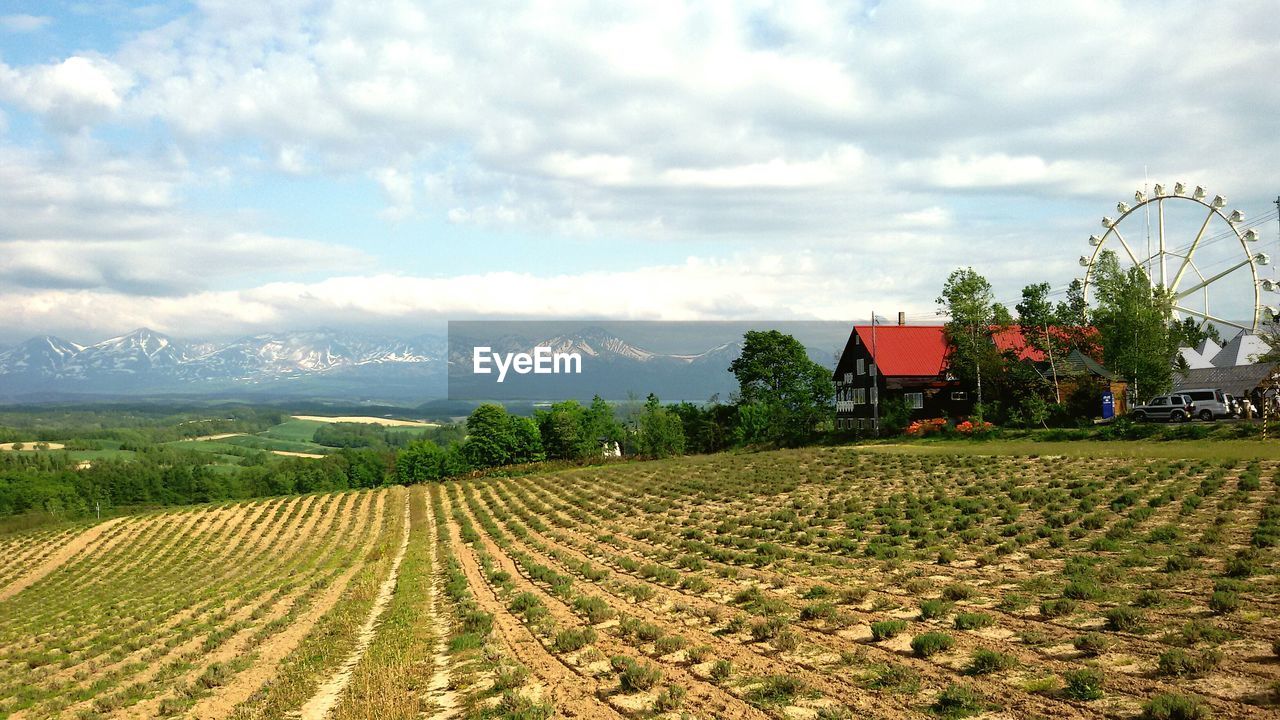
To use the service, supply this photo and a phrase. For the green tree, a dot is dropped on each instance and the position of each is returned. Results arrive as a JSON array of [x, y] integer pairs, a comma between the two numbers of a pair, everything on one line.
[[561, 429], [1134, 322], [527, 440], [968, 301], [490, 437], [659, 432], [777, 378]]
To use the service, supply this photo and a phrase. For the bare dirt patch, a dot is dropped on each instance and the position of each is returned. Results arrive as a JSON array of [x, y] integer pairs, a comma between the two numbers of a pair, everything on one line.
[[366, 420], [31, 445]]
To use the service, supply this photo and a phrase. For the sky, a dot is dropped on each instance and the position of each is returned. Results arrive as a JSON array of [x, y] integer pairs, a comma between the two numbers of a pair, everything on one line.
[[217, 168]]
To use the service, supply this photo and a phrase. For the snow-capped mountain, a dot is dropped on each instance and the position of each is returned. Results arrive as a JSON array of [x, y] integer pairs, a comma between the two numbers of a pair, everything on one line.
[[145, 361], [43, 356], [327, 363], [301, 353], [139, 352]]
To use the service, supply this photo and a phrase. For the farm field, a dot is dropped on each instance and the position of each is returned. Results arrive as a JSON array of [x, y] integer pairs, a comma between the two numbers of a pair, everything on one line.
[[812, 584]]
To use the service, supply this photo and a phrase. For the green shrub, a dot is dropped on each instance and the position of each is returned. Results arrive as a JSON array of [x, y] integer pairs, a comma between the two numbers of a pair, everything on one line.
[[1092, 644], [1084, 589], [946, 556], [699, 653], [1178, 563], [1083, 684], [523, 602], [931, 643], [973, 621], [1149, 598], [854, 595], [1124, 619], [776, 690], [818, 591], [958, 591], [514, 706], [1180, 663], [1057, 608], [1171, 706], [1013, 602], [633, 675], [722, 670], [885, 629], [509, 677], [668, 644], [986, 661], [1241, 566], [1223, 602], [767, 628], [818, 611], [933, 609], [574, 639], [670, 699], [596, 609], [899, 678], [695, 583], [958, 701]]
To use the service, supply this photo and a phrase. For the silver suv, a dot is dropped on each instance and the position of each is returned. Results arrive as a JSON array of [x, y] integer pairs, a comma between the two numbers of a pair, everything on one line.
[[1210, 403], [1174, 408]]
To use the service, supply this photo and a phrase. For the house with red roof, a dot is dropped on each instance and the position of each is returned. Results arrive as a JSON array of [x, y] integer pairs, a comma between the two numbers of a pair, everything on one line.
[[885, 362], [895, 361]]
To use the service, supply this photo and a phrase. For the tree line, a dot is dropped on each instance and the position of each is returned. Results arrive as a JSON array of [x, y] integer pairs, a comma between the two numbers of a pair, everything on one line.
[[1130, 330]]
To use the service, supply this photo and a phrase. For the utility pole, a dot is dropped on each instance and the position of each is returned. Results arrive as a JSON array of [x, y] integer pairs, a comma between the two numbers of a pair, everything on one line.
[[875, 383]]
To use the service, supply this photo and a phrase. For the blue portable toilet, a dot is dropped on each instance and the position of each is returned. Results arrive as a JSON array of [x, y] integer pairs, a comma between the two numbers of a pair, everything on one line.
[[1108, 405]]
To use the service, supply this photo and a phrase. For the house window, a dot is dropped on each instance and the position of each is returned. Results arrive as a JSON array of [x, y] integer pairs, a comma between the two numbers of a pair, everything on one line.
[[862, 366], [915, 401], [959, 395], [875, 395], [871, 369], [860, 396], [859, 423], [848, 378]]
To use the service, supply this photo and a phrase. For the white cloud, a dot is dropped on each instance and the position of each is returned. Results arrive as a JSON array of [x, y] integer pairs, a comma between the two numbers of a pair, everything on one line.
[[98, 223], [841, 131], [22, 23], [76, 92], [741, 287]]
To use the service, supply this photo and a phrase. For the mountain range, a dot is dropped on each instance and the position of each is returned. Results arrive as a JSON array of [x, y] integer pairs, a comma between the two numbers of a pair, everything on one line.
[[334, 364], [319, 362]]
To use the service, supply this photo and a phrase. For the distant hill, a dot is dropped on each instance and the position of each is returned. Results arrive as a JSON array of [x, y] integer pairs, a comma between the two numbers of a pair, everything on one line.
[[334, 365]]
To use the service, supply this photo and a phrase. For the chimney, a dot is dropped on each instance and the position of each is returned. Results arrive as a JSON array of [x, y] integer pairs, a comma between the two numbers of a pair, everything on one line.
[[902, 318]]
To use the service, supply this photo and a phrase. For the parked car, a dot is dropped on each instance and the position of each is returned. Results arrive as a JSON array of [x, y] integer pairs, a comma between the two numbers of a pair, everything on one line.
[[1210, 403], [1174, 408]]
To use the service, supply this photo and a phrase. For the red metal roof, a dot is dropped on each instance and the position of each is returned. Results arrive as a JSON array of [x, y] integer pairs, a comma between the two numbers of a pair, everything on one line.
[[905, 350], [1011, 339]]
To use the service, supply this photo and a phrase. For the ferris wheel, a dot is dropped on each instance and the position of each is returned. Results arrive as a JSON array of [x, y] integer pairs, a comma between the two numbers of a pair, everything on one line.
[[1218, 261]]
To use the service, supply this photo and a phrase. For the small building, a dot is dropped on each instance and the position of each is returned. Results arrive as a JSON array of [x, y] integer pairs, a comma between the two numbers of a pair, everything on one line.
[[895, 361], [1241, 381], [887, 362], [1067, 375]]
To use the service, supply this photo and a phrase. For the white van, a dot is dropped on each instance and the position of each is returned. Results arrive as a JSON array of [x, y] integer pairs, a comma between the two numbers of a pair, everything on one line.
[[1210, 403]]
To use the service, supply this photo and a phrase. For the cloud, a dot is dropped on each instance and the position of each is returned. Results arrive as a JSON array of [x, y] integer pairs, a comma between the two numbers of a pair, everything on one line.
[[739, 287], [24, 23], [76, 92], [118, 225], [887, 141]]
